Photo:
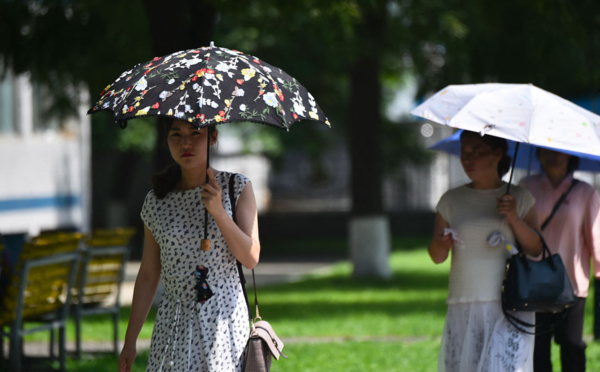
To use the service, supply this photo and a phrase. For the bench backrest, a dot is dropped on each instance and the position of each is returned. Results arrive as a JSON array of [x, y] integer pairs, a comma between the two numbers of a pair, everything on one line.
[[40, 282], [103, 265]]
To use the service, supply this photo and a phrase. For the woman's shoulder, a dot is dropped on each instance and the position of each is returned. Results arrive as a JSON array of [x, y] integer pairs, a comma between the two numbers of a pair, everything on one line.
[[519, 191], [240, 178], [455, 191], [150, 196], [524, 198], [150, 203], [584, 185], [453, 194], [586, 188]]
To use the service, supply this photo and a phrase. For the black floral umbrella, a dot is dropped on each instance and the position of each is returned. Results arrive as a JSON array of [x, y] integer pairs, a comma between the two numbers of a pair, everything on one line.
[[209, 86], [205, 87]]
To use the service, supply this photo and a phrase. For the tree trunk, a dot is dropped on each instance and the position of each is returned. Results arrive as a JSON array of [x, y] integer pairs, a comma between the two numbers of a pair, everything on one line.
[[180, 25], [369, 227]]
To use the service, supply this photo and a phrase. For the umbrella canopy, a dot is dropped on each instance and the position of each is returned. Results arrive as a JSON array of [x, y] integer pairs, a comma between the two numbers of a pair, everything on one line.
[[518, 112], [209, 86], [526, 159]]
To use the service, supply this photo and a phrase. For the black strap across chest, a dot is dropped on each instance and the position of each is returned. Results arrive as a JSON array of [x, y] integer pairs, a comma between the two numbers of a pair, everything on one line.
[[559, 202]]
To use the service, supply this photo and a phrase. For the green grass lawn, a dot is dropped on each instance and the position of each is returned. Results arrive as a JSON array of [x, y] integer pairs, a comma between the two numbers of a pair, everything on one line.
[[332, 322]]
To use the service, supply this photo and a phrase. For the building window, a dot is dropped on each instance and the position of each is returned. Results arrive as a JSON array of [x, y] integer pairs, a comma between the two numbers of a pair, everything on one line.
[[43, 120], [7, 104]]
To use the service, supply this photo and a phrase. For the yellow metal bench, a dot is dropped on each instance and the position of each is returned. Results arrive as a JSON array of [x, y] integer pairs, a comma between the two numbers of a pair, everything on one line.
[[39, 292], [104, 258]]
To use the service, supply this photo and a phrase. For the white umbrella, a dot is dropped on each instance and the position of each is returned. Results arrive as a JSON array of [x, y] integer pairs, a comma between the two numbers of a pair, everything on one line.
[[526, 159], [518, 112]]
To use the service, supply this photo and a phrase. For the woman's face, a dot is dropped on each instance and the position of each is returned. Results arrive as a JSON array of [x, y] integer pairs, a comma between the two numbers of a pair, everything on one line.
[[478, 159], [554, 161], [187, 144]]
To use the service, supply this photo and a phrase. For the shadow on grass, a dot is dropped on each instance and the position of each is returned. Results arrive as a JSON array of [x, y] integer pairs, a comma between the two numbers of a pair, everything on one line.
[[327, 248], [407, 298], [405, 281]]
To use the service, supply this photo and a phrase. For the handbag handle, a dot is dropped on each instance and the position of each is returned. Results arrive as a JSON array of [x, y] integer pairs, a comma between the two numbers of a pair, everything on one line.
[[545, 251], [238, 263], [558, 203]]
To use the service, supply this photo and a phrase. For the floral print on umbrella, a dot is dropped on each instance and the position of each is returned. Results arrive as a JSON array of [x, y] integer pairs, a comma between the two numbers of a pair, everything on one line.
[[208, 86]]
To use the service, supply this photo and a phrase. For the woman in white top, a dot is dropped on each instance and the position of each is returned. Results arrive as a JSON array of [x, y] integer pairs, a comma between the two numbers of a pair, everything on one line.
[[477, 336]]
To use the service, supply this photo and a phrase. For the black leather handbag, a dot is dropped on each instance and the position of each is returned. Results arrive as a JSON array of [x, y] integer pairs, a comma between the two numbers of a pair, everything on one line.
[[540, 286]]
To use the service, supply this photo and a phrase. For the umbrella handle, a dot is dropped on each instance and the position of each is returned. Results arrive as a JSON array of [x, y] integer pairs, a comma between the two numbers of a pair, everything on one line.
[[512, 169], [205, 243]]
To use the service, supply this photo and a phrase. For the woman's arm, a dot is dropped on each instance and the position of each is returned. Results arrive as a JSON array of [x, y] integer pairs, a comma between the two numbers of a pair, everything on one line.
[[591, 230], [242, 238], [526, 230], [144, 291], [440, 245]]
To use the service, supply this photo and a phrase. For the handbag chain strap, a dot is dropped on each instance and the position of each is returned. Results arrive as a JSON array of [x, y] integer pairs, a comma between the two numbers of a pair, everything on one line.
[[238, 263], [559, 202]]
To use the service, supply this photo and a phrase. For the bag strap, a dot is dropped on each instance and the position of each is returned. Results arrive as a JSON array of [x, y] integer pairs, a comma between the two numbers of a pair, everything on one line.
[[537, 328], [559, 202], [238, 263]]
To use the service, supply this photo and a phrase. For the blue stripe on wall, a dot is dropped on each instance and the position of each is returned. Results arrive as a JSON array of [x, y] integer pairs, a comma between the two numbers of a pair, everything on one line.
[[35, 203]]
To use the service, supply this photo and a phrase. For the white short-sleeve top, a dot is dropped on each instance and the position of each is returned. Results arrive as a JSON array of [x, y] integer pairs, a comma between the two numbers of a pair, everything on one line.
[[477, 268]]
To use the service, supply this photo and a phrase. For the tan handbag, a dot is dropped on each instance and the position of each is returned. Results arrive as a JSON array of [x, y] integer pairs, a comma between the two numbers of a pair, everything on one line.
[[263, 343]]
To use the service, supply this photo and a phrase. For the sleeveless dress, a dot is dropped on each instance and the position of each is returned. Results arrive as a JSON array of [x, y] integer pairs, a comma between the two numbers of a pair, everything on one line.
[[188, 335]]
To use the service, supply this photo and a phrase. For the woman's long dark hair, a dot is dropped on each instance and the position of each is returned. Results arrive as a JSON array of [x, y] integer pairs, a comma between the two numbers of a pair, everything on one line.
[[166, 180], [495, 143]]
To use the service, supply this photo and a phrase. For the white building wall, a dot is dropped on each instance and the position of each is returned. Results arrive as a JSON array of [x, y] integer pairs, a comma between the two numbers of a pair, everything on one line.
[[44, 174]]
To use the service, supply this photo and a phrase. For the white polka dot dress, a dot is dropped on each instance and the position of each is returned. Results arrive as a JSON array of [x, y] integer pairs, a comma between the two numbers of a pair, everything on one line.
[[187, 335]]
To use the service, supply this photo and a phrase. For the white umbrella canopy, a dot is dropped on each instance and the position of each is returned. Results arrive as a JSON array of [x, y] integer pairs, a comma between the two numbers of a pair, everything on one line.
[[518, 112]]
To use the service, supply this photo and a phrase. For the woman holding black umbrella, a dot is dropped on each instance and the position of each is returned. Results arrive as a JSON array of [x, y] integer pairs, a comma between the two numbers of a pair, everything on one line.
[[196, 89], [477, 337], [202, 321]]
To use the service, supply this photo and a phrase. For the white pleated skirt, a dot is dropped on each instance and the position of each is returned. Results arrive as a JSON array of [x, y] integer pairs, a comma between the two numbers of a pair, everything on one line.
[[478, 338]]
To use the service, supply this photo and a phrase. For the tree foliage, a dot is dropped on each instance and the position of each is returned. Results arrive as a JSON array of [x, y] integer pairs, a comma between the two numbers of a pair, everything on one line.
[[553, 44], [325, 44], [65, 43]]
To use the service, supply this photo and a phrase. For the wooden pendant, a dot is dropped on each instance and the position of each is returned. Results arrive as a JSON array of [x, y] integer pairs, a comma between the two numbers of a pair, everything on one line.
[[205, 245]]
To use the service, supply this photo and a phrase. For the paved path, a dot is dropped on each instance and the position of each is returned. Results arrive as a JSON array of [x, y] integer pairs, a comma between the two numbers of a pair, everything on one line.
[[267, 273]]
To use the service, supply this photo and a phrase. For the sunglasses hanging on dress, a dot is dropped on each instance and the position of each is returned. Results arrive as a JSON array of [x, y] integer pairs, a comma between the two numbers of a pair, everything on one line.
[[203, 290]]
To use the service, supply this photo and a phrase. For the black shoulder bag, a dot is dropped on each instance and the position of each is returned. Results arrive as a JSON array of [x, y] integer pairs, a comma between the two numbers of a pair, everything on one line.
[[538, 286], [263, 343]]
